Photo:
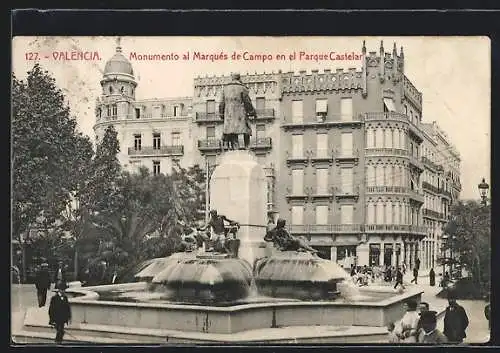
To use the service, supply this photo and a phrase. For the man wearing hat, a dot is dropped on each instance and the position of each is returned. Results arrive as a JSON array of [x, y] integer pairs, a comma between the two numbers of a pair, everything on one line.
[[455, 320], [59, 311], [42, 284], [429, 333]]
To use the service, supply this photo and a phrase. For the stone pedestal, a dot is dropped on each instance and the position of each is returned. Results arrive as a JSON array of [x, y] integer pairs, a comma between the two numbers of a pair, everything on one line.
[[238, 190]]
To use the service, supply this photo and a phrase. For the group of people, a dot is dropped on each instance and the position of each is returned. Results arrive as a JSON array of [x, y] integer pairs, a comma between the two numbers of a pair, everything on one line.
[[59, 307], [419, 325]]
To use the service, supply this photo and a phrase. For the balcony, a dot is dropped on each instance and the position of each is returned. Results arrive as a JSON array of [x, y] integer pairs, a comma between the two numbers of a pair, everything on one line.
[[344, 194], [416, 163], [429, 187], [325, 228], [445, 194], [296, 194], [396, 228], [415, 131], [150, 151], [385, 152], [386, 116], [430, 164], [209, 145], [297, 158], [264, 115], [416, 196], [433, 214], [327, 122], [261, 143], [321, 157], [203, 117], [386, 190], [346, 157], [316, 193]]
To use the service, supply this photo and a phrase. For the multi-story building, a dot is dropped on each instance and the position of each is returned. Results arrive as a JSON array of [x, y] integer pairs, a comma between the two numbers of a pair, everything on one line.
[[441, 185], [342, 150], [152, 132]]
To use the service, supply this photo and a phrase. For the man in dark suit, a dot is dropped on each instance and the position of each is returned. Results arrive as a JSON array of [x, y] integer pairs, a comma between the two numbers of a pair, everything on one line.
[[60, 274], [59, 311], [42, 284], [455, 321]]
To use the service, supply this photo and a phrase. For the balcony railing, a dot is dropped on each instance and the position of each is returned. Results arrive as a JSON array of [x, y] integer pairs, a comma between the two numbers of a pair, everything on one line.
[[203, 117], [261, 143], [209, 145], [417, 196], [416, 162], [161, 151], [345, 193], [429, 187], [264, 114], [329, 121], [394, 228], [445, 193], [385, 152], [386, 116], [434, 214], [386, 189]]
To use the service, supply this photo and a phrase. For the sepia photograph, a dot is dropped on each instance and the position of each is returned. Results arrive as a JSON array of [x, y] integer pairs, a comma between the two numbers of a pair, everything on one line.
[[250, 190]]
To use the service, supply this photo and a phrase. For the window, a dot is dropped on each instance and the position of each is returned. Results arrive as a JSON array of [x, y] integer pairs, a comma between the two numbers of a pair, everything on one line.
[[297, 182], [346, 109], [156, 167], [110, 90], [380, 212], [388, 250], [402, 142], [346, 214], [260, 104], [379, 137], [115, 110], [388, 138], [210, 132], [321, 109], [322, 145], [346, 180], [176, 139], [374, 254], [388, 213], [370, 175], [156, 141], [346, 143], [108, 108], [321, 181], [396, 143], [137, 113], [370, 138], [260, 130], [370, 213], [394, 215], [297, 214], [297, 111], [322, 214], [211, 107], [137, 142], [406, 109], [99, 112], [392, 176], [297, 147], [156, 112], [389, 105], [379, 175]]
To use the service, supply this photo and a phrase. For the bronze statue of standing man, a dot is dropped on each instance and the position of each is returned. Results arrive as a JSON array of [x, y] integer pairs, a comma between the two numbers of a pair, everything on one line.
[[235, 109]]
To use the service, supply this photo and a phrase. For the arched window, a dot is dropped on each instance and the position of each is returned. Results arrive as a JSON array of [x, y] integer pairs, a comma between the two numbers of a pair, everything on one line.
[[110, 90], [396, 138], [370, 213], [388, 138], [392, 176], [379, 137], [380, 212], [397, 214], [388, 213], [370, 175], [402, 140], [370, 138], [379, 175]]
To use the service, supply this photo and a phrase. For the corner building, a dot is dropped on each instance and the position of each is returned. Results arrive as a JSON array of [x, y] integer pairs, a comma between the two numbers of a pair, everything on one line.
[[342, 151]]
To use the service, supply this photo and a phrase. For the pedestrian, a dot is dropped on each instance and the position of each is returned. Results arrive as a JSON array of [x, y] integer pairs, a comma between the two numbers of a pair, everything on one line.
[[415, 275], [429, 334], [455, 320], [404, 267], [59, 311], [42, 284], [353, 270], [446, 279], [406, 329], [417, 263], [399, 278], [422, 308], [432, 277], [60, 275]]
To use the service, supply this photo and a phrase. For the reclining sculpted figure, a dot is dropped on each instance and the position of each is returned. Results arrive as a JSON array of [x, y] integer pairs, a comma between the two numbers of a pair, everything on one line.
[[283, 241]]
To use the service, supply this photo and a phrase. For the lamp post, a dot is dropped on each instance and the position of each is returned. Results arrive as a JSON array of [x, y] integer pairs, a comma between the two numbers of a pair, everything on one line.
[[483, 191]]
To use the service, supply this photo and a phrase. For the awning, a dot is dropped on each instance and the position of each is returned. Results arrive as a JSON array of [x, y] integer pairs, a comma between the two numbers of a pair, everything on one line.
[[389, 104], [321, 106]]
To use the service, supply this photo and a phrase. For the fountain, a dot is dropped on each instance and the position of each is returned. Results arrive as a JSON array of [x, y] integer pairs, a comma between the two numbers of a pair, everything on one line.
[[263, 296]]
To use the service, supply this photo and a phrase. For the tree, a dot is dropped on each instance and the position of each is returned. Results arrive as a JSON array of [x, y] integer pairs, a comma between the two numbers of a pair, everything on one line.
[[470, 232], [48, 153]]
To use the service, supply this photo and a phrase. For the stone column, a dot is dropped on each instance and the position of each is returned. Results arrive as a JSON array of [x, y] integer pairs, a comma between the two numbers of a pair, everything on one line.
[[362, 254], [393, 260], [238, 190], [333, 253]]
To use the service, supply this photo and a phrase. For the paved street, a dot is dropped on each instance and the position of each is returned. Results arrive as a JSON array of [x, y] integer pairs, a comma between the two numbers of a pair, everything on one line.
[[24, 296]]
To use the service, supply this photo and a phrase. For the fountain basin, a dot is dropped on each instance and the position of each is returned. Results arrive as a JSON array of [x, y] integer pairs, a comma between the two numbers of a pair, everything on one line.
[[236, 318]]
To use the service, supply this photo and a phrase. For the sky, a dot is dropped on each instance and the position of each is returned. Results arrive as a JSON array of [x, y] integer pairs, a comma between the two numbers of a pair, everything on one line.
[[453, 74]]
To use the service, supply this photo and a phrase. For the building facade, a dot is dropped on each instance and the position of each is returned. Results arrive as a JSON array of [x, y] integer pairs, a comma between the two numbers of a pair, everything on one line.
[[346, 152]]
